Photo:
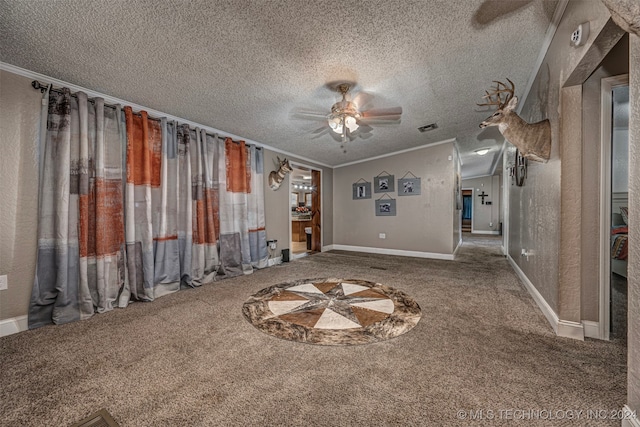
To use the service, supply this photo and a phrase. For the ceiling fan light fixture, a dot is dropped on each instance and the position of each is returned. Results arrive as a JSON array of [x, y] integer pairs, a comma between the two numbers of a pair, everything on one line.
[[481, 151], [351, 124], [335, 123]]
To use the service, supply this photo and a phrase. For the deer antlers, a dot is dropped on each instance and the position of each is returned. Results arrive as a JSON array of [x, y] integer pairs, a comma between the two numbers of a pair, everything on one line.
[[497, 91]]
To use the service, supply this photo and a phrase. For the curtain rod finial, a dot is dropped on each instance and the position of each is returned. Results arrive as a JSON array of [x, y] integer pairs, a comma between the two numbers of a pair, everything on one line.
[[38, 86]]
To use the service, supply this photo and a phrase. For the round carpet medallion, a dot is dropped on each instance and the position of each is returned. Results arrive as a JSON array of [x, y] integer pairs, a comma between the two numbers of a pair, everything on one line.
[[332, 311]]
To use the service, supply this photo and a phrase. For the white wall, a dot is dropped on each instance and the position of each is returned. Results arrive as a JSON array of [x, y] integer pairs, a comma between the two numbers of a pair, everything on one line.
[[486, 218]]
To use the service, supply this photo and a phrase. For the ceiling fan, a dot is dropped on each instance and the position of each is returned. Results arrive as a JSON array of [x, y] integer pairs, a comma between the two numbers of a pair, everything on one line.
[[350, 118]]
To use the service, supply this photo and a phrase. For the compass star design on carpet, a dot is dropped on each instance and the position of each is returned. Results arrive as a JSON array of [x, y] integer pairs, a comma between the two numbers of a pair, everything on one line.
[[332, 311]]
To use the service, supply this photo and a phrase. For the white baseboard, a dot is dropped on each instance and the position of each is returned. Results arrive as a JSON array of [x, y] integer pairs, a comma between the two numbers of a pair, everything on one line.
[[455, 252], [491, 232], [13, 325], [275, 261], [630, 422], [568, 329], [546, 309], [327, 248], [591, 329], [399, 252], [562, 328]]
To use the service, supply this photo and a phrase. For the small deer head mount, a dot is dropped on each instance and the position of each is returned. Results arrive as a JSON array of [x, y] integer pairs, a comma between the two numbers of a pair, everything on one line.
[[276, 177], [532, 140]]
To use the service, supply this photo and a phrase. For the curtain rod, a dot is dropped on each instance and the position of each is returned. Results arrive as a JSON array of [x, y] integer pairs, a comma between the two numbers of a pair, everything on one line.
[[43, 87]]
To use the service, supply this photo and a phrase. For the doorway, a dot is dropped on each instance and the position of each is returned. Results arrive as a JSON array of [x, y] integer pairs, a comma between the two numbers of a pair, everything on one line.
[[467, 210], [305, 210], [614, 207]]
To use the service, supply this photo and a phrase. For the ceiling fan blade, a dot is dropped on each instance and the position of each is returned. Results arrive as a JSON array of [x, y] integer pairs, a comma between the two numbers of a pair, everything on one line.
[[305, 114], [376, 121], [321, 129], [364, 128], [383, 112], [362, 100]]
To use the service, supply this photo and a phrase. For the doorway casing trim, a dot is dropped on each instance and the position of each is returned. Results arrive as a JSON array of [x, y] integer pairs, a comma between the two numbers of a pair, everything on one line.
[[299, 165], [604, 313]]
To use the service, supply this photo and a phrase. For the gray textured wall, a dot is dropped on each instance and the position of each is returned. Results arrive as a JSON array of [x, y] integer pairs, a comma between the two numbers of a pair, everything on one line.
[[535, 208], [423, 223], [19, 124], [278, 203]]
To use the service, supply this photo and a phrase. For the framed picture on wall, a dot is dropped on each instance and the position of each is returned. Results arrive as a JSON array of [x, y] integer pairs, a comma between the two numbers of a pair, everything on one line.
[[384, 184], [386, 207], [361, 190], [409, 187]]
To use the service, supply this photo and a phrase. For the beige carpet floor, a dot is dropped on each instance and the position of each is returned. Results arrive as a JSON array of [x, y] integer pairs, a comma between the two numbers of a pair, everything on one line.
[[191, 359]]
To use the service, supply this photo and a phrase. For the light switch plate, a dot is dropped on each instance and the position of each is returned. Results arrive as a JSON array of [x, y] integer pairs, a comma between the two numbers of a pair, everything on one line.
[[4, 284]]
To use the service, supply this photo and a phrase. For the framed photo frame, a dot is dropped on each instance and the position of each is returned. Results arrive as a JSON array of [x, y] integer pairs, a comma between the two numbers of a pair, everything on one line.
[[409, 187], [386, 207], [384, 184], [361, 190]]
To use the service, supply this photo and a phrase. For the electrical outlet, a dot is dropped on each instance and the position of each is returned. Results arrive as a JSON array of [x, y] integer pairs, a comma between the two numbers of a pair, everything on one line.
[[490, 224], [4, 284], [382, 235]]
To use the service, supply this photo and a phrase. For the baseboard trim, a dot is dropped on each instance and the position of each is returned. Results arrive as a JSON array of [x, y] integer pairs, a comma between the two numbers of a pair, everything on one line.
[[327, 248], [399, 252], [630, 422], [13, 325], [591, 329], [274, 261], [493, 233], [562, 328], [569, 329], [546, 309], [455, 252]]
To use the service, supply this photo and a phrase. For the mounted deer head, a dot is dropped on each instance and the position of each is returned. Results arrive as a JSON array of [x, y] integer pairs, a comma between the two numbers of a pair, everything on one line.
[[533, 140], [276, 177]]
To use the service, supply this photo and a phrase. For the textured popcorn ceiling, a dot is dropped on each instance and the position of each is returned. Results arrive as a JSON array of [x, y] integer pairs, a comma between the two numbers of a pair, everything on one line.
[[243, 66]]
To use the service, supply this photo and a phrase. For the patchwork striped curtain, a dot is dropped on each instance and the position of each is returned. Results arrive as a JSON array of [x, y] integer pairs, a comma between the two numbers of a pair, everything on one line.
[[133, 208]]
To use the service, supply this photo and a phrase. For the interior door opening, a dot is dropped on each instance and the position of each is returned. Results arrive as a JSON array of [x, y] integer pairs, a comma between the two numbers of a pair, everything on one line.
[[619, 212], [614, 210], [467, 210], [305, 190]]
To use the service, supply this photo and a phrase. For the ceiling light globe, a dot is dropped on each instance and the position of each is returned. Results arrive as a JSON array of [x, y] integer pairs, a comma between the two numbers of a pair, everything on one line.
[[335, 123], [351, 124]]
